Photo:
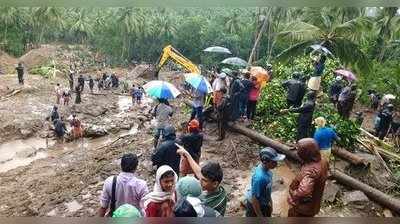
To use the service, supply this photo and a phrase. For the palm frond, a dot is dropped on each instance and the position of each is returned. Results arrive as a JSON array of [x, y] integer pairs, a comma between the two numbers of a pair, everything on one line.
[[294, 50], [349, 53], [300, 31], [354, 29]]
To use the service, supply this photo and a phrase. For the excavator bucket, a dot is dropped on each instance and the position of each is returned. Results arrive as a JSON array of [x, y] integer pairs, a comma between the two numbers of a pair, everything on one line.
[[150, 73]]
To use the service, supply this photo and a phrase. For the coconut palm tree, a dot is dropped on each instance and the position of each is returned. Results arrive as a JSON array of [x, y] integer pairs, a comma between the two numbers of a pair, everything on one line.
[[340, 38], [233, 22], [81, 26], [47, 18], [8, 16], [387, 25]]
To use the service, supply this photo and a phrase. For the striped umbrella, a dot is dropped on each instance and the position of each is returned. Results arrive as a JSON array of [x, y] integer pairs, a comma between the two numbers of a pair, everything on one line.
[[161, 89], [198, 82]]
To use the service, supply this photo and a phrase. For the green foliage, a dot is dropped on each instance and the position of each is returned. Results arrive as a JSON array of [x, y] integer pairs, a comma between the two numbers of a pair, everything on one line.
[[269, 119], [47, 70], [283, 126], [44, 71], [384, 78], [347, 130]]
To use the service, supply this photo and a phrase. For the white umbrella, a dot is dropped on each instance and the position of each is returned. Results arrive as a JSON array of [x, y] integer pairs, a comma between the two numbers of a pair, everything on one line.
[[217, 49]]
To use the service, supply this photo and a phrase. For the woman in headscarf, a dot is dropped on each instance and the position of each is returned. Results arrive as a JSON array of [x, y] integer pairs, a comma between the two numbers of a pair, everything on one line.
[[161, 201], [307, 188]]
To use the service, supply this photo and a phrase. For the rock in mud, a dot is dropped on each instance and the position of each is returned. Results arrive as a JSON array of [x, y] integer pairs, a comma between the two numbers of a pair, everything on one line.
[[95, 131], [330, 191], [354, 197], [73, 206], [26, 133], [358, 202]]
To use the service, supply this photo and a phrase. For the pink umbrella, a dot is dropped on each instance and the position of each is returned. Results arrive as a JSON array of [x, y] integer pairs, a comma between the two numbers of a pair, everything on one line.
[[347, 74]]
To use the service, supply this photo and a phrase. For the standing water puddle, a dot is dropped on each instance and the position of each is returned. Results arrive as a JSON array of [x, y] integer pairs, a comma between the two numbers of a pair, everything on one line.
[[125, 102], [280, 196], [21, 153]]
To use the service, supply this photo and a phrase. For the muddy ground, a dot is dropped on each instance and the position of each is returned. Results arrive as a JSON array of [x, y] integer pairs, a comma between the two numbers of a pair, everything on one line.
[[41, 177]]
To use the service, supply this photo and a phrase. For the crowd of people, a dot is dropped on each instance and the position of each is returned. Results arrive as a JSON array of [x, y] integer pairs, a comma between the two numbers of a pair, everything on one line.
[[183, 187]]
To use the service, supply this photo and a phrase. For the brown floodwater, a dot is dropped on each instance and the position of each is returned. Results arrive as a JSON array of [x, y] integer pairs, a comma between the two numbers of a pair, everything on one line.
[[18, 153]]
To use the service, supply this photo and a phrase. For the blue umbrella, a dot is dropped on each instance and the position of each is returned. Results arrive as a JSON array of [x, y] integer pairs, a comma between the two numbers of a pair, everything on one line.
[[198, 82], [161, 89]]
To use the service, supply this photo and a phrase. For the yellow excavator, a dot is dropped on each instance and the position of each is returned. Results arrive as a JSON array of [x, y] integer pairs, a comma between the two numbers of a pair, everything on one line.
[[171, 53]]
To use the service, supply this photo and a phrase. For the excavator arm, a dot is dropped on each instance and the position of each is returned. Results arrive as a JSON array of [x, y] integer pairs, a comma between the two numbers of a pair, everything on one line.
[[170, 52]]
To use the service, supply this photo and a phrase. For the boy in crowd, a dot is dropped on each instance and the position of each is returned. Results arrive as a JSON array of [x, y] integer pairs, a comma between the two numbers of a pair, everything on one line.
[[210, 175]]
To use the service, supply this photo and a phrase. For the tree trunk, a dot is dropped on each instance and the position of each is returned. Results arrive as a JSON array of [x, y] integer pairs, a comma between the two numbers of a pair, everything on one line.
[[383, 199], [374, 194], [352, 158], [257, 40]]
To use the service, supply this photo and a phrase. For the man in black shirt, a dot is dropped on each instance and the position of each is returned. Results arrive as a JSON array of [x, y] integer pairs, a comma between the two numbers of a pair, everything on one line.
[[306, 116], [20, 72]]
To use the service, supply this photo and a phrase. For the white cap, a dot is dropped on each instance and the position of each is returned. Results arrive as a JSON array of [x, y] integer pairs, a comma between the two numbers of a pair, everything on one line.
[[338, 78], [222, 75]]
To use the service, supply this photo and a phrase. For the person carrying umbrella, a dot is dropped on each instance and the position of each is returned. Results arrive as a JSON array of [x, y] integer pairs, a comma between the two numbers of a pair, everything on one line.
[[319, 66], [346, 100], [336, 89], [200, 87], [162, 112]]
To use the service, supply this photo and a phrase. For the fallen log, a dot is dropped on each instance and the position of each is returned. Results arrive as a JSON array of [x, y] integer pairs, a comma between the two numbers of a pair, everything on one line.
[[383, 199], [352, 158], [264, 140], [374, 194]]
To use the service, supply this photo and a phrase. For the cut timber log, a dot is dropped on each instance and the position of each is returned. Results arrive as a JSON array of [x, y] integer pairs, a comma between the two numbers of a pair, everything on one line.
[[264, 140], [374, 194], [383, 199], [352, 158]]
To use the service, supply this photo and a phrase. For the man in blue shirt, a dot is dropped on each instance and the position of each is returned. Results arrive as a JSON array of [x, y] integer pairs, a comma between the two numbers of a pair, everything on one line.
[[258, 198], [324, 137]]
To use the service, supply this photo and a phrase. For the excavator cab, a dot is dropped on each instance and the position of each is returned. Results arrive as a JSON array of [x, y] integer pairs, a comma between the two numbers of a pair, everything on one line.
[[170, 53]]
